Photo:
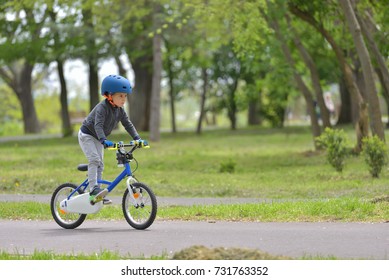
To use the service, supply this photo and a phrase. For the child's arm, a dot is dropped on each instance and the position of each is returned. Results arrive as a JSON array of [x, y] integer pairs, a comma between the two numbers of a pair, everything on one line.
[[129, 126]]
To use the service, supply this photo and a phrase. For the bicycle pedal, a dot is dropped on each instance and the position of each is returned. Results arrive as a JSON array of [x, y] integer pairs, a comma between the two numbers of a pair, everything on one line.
[[98, 197], [107, 201]]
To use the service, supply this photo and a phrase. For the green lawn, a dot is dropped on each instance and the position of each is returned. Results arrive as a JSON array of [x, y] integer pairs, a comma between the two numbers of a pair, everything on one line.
[[267, 163], [273, 164]]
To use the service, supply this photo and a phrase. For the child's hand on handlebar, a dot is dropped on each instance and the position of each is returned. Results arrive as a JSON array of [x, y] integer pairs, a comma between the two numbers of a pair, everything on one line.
[[140, 143], [108, 143]]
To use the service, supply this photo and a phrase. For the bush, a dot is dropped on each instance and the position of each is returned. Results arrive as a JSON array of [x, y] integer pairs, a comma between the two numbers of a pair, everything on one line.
[[227, 166], [375, 153], [335, 143]]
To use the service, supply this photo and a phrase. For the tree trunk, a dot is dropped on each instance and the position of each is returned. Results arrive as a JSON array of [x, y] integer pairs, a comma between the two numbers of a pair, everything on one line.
[[19, 78], [369, 30], [324, 112], [155, 114], [345, 115], [122, 69], [30, 119], [67, 129], [94, 92], [92, 59], [367, 68], [384, 92], [202, 102], [253, 113], [232, 108], [140, 99], [172, 99], [299, 81], [171, 87], [123, 73]]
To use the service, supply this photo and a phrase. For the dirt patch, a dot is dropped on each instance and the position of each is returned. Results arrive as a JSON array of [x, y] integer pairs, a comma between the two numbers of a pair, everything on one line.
[[220, 253]]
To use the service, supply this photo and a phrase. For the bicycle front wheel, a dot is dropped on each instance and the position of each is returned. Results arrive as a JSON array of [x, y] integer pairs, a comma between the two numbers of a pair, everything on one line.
[[65, 219], [139, 206]]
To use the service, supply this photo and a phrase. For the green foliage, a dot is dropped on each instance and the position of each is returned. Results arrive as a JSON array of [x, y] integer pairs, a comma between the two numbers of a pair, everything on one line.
[[375, 153], [335, 142], [227, 166]]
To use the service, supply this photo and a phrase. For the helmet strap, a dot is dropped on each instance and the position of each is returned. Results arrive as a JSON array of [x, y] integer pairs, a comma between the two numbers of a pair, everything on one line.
[[109, 98]]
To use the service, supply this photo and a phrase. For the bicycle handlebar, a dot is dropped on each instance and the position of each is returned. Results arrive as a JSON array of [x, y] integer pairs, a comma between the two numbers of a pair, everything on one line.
[[133, 143]]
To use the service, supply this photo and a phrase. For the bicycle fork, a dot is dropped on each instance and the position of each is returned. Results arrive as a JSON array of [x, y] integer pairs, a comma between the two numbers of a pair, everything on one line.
[[136, 197]]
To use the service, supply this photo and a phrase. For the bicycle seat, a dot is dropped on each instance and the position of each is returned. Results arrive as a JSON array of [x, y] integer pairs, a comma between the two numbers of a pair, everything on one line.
[[82, 167]]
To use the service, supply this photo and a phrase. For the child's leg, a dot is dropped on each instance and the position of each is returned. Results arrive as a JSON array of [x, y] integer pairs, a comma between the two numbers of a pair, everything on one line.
[[93, 151], [100, 169]]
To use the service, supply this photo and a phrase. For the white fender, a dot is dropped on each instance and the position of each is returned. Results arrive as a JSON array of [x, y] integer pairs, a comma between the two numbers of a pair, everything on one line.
[[134, 200], [80, 204]]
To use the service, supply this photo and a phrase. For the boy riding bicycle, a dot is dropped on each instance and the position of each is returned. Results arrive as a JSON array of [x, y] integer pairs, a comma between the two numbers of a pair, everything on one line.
[[99, 124]]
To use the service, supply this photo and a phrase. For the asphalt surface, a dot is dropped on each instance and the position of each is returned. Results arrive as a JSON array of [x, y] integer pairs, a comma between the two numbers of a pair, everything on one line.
[[342, 240]]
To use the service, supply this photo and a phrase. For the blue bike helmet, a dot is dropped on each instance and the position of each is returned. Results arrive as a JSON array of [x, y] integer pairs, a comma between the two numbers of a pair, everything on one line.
[[115, 83]]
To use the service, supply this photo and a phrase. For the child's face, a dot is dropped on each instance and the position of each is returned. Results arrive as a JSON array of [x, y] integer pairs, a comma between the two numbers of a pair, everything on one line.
[[119, 99]]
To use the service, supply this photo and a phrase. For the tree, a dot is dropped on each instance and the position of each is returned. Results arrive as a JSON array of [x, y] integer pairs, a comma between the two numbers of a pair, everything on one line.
[[370, 31], [58, 51], [298, 79], [367, 69], [135, 20], [155, 118], [22, 24], [314, 74], [90, 54], [306, 13], [226, 72], [218, 24]]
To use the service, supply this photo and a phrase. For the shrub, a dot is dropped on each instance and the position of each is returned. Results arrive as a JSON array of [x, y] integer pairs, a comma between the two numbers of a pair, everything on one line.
[[335, 143], [227, 166], [375, 153]]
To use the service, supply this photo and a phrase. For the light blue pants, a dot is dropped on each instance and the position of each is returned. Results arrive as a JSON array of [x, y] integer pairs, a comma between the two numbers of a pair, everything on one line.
[[94, 152]]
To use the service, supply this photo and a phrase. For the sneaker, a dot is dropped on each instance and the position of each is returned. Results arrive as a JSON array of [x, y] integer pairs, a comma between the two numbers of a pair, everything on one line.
[[96, 190], [107, 201]]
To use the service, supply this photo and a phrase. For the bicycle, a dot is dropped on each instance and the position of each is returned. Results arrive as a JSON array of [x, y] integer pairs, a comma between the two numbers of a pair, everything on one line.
[[70, 204]]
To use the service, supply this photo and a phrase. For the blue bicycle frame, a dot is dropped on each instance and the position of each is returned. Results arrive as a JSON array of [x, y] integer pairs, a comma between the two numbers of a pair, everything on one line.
[[111, 185]]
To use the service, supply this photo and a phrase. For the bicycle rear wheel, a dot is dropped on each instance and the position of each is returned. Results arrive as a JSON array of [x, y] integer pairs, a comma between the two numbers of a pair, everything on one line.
[[139, 206], [65, 219]]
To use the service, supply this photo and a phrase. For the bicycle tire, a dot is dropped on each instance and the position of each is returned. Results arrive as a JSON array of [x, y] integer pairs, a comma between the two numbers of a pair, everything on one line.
[[65, 220], [142, 215]]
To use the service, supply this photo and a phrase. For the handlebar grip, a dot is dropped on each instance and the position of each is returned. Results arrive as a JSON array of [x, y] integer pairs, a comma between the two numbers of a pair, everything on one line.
[[132, 144]]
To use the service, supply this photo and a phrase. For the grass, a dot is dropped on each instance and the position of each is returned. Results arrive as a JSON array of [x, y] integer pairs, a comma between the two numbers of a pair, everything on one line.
[[273, 164], [49, 255], [192, 253], [340, 209], [266, 163]]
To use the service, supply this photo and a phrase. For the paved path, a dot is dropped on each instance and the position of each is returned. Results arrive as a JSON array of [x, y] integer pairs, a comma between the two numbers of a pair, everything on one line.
[[343, 240]]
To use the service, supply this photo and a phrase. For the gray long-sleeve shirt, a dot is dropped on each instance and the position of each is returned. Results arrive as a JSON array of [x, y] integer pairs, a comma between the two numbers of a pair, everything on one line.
[[103, 119]]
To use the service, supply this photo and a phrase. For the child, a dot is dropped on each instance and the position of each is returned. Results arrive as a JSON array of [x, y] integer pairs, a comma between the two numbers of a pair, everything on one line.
[[99, 124]]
